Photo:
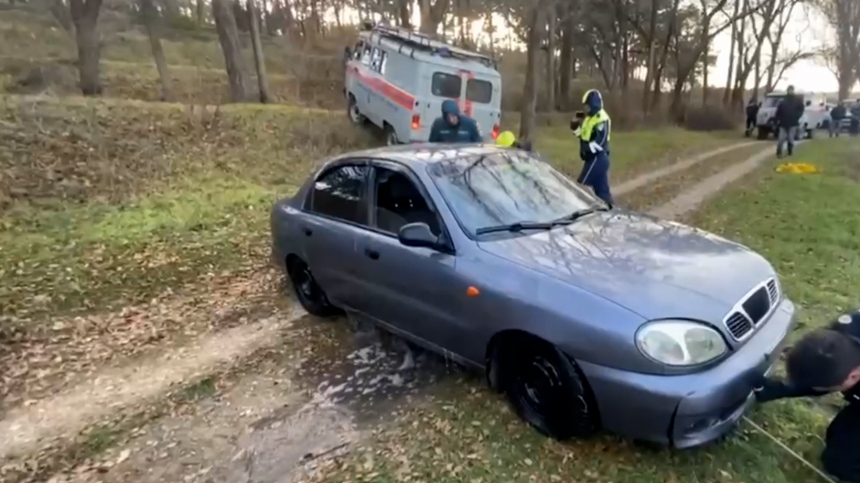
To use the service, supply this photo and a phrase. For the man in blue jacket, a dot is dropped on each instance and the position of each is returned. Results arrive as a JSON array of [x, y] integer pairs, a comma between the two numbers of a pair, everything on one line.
[[594, 132], [454, 127]]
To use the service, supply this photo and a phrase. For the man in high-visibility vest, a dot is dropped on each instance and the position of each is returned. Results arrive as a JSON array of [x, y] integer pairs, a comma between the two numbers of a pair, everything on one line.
[[594, 132]]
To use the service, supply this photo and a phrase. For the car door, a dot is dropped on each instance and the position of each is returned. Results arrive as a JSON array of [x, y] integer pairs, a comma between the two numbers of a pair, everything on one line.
[[335, 215], [414, 290]]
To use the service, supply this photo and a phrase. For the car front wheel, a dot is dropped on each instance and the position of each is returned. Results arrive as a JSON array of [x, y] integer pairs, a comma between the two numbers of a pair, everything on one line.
[[546, 390], [310, 294]]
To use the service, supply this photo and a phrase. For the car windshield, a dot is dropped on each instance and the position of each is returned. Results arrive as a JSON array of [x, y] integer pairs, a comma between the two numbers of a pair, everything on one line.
[[772, 101], [506, 188]]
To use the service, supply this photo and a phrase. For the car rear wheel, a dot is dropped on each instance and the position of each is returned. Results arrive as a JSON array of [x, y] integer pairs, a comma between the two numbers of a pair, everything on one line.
[[546, 390], [391, 136], [310, 294]]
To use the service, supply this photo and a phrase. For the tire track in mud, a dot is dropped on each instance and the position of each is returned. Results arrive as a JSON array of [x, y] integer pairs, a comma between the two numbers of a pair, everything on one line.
[[272, 424]]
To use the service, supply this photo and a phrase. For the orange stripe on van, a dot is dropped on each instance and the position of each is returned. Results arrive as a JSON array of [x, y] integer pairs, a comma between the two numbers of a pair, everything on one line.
[[381, 86]]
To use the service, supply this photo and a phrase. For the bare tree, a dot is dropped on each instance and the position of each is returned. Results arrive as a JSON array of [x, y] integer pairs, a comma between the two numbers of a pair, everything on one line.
[[151, 21], [60, 10], [844, 18], [228, 36], [432, 14], [259, 60], [550, 60], [566, 60], [85, 16], [536, 25]]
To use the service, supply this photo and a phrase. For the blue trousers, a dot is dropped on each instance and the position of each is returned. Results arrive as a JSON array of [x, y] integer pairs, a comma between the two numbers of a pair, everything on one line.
[[595, 173]]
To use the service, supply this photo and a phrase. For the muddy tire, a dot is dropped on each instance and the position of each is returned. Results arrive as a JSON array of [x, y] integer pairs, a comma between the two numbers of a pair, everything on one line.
[[307, 290], [391, 136], [546, 390], [354, 114], [762, 133]]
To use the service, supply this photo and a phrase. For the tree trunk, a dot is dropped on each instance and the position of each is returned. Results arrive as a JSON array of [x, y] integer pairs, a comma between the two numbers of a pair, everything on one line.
[[290, 30], [228, 36], [550, 62], [403, 14], [85, 15], [171, 8], [201, 12], [536, 27], [734, 33], [432, 14], [259, 60], [151, 21], [565, 69], [651, 56]]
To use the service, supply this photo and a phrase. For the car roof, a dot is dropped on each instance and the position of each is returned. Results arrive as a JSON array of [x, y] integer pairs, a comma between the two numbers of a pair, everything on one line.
[[424, 154]]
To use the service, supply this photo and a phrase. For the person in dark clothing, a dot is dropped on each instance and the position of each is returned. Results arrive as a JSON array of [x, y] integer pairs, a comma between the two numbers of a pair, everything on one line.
[[788, 114], [594, 132], [454, 127], [752, 113], [837, 114], [822, 362]]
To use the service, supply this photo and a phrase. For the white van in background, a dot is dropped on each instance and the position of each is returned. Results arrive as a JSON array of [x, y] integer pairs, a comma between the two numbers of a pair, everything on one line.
[[766, 123], [397, 80]]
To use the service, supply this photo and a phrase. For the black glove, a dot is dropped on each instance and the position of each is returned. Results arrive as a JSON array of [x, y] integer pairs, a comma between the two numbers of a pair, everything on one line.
[[577, 120]]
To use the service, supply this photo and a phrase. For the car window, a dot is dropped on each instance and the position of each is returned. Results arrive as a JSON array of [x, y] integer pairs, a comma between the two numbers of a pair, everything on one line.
[[339, 193], [479, 91], [506, 187], [399, 202], [446, 85]]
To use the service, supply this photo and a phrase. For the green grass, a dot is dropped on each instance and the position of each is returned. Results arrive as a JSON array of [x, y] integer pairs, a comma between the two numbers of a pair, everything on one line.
[[807, 225], [632, 152]]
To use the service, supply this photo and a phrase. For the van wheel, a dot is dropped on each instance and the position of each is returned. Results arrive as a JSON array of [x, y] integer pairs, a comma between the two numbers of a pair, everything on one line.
[[810, 133], [762, 133], [391, 136], [355, 115]]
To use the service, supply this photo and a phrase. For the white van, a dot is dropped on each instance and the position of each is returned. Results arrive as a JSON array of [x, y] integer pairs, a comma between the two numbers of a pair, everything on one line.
[[766, 122], [397, 79]]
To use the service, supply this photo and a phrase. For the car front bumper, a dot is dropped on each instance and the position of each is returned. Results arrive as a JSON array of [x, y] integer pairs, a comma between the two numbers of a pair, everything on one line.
[[689, 410]]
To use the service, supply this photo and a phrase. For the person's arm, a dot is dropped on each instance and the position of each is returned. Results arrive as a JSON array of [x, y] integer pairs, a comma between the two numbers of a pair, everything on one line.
[[598, 137], [774, 389]]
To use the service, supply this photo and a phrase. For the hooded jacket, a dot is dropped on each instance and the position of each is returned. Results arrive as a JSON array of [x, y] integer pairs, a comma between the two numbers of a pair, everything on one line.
[[466, 131], [594, 142]]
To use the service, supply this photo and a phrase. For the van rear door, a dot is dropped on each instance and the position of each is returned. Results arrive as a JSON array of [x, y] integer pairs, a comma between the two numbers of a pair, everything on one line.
[[480, 100]]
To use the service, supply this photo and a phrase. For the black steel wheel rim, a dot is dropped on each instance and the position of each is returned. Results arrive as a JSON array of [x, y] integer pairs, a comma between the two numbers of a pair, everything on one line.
[[538, 385], [305, 286]]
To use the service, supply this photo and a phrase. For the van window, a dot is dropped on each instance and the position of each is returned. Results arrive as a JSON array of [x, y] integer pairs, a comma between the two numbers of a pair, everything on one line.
[[446, 85], [377, 60], [365, 56], [479, 91]]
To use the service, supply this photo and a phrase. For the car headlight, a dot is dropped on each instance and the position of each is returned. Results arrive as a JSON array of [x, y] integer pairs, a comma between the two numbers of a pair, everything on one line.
[[680, 342]]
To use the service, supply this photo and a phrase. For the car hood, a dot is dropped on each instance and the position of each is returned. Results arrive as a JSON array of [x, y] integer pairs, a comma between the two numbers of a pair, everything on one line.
[[658, 269]]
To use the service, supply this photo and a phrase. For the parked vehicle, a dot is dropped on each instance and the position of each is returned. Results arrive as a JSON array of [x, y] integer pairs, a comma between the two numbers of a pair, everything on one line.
[[586, 317], [766, 123], [397, 79]]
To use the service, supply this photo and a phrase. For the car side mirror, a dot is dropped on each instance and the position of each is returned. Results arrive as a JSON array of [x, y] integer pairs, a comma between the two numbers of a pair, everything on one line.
[[417, 235], [808, 103]]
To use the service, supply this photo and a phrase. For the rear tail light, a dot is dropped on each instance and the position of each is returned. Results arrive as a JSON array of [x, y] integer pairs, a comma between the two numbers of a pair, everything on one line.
[[416, 122], [496, 131]]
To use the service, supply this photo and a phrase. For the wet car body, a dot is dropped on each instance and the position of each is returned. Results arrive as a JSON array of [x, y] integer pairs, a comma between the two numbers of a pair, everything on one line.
[[587, 288]]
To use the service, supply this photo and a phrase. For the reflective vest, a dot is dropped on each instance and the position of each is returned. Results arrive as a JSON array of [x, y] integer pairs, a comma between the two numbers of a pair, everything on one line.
[[590, 122]]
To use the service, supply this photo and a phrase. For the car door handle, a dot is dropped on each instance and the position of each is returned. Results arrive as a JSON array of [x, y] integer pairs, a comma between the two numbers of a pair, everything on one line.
[[373, 254], [308, 232]]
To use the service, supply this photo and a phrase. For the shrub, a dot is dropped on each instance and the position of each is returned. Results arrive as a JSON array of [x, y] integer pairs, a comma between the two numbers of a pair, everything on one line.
[[710, 118]]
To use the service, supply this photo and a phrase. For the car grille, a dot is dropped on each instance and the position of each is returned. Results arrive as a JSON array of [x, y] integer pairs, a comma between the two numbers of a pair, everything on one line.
[[752, 310]]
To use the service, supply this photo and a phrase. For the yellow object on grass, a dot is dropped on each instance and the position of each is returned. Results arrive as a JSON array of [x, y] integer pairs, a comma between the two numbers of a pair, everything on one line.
[[506, 139], [797, 168]]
